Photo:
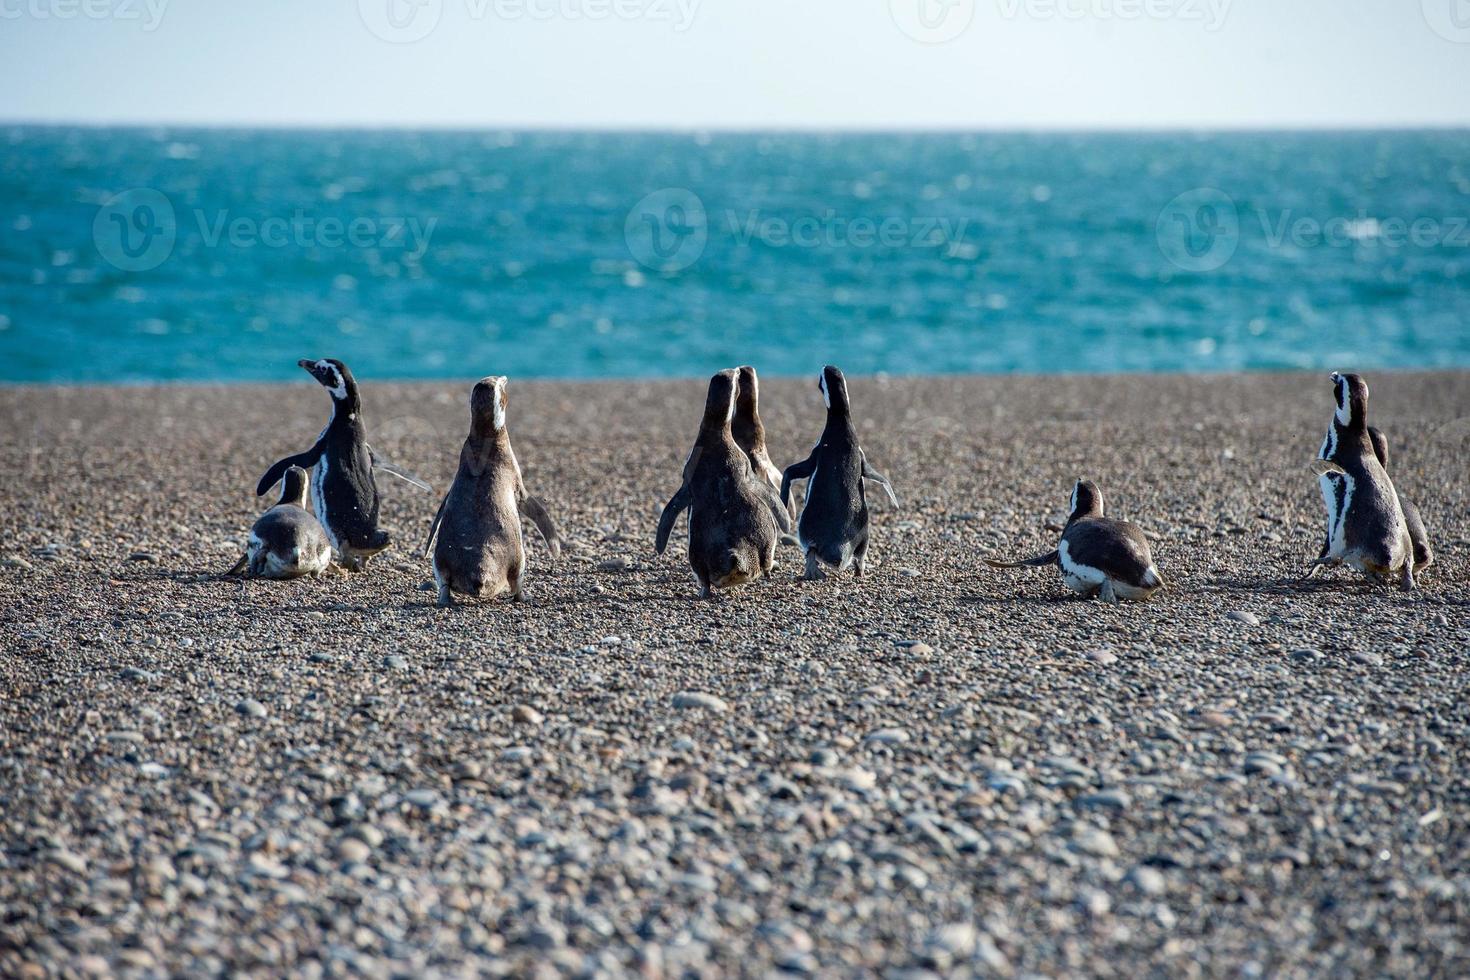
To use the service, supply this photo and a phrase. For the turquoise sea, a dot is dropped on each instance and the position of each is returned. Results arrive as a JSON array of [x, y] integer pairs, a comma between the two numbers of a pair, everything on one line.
[[199, 255]]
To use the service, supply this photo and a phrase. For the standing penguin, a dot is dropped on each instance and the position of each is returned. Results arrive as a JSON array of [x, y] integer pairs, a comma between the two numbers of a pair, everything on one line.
[[1365, 523], [1098, 556], [833, 529], [733, 523], [481, 550], [750, 436], [286, 541], [1423, 551], [342, 491], [749, 432]]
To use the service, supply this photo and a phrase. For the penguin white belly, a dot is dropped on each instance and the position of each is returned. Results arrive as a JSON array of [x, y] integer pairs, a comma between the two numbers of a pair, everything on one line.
[[1078, 577], [1336, 513], [319, 502], [1132, 593]]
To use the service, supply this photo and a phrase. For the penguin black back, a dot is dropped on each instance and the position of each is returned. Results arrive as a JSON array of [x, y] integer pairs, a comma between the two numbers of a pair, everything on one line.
[[833, 527], [1418, 533], [293, 487]]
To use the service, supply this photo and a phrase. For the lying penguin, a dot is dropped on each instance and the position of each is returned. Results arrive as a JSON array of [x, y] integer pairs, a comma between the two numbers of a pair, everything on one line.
[[343, 490], [734, 521], [1366, 529], [1098, 556], [481, 550], [286, 541], [833, 528]]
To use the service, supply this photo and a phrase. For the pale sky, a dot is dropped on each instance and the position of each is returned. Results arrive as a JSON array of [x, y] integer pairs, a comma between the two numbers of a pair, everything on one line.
[[827, 64]]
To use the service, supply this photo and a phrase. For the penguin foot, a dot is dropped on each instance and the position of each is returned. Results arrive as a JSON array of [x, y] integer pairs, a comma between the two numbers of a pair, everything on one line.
[[1316, 567], [1107, 593], [814, 571]]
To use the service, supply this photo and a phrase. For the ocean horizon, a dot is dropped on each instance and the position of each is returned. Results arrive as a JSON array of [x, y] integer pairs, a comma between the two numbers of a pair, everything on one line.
[[166, 254]]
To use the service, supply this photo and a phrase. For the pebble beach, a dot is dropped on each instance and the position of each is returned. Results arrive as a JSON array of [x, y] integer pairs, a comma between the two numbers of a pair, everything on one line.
[[942, 769]]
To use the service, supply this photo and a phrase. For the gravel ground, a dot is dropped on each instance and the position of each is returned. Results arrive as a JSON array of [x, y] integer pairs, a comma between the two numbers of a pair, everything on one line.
[[942, 769]]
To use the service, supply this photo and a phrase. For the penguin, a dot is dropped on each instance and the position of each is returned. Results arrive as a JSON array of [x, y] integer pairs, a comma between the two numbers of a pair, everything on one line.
[[734, 523], [1098, 556], [1366, 529], [481, 550], [1423, 552], [343, 491], [833, 528], [750, 436], [286, 541]]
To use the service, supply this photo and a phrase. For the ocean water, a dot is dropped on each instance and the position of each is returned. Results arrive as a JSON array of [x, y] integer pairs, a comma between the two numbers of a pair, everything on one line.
[[199, 255]]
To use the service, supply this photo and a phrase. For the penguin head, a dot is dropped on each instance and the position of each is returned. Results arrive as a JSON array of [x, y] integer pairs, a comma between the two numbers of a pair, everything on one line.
[[748, 394], [1380, 446], [747, 420], [1351, 392], [293, 487], [719, 403], [334, 376], [1087, 501], [487, 405], [834, 389]]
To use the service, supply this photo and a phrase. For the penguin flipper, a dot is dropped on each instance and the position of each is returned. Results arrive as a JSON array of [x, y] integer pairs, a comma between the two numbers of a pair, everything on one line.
[[536, 512], [797, 471], [676, 506], [1322, 467], [1040, 561], [239, 567], [434, 527], [387, 467], [871, 474], [278, 469], [779, 512]]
